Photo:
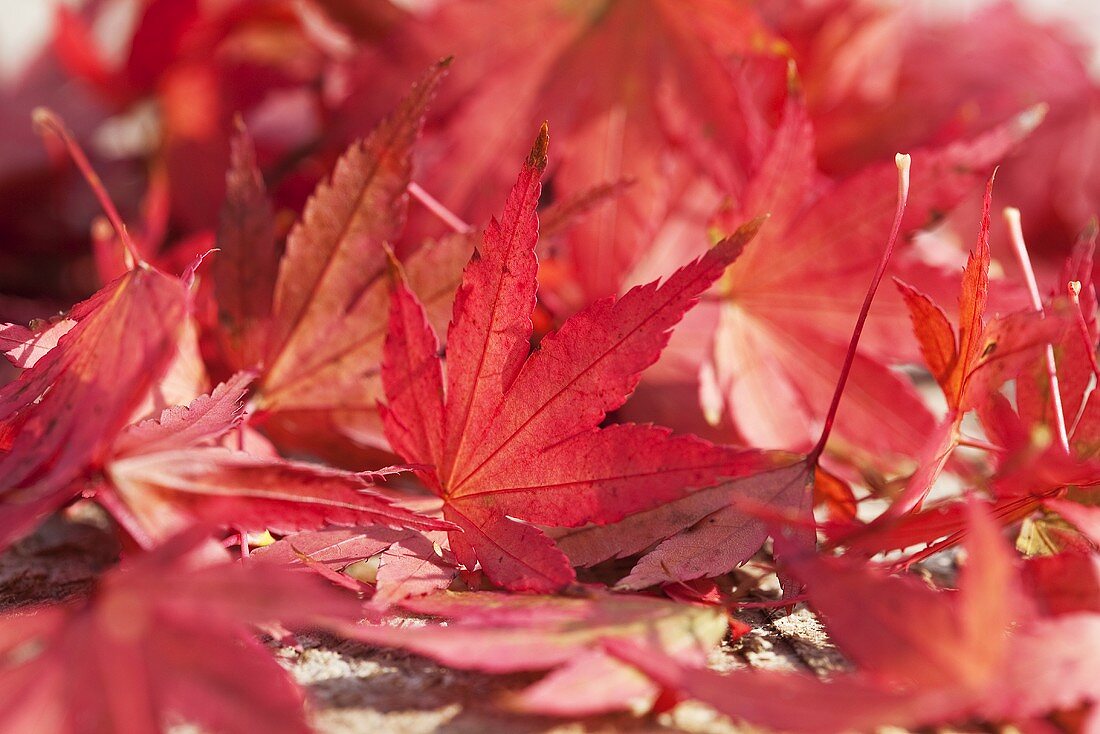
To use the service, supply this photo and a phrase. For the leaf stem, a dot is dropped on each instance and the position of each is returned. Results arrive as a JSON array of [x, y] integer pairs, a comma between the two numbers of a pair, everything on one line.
[[1016, 235], [772, 604], [436, 207], [903, 162], [976, 443], [1073, 288], [1074, 291], [46, 120]]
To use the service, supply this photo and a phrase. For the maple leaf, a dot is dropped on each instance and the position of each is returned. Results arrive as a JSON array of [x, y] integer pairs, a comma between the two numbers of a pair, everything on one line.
[[322, 342], [716, 529], [409, 563], [779, 317], [67, 407], [122, 357], [974, 652], [969, 366], [515, 435], [499, 633], [672, 123], [167, 472], [162, 639], [880, 78]]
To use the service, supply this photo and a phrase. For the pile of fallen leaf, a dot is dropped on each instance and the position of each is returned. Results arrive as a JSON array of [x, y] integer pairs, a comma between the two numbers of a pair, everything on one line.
[[367, 355]]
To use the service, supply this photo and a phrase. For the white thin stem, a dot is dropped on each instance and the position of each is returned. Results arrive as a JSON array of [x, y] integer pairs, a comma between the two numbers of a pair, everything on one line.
[[1016, 235], [903, 162], [437, 208]]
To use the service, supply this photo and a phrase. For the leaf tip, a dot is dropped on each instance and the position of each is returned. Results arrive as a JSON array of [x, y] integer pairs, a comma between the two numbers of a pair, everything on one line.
[[239, 128], [749, 229], [794, 81], [904, 162], [393, 265], [45, 119], [537, 158]]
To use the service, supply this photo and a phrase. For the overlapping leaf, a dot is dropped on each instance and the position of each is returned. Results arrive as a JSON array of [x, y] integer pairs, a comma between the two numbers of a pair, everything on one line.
[[664, 105], [782, 313], [168, 472], [321, 344], [163, 640], [499, 633], [515, 437], [973, 653], [64, 411]]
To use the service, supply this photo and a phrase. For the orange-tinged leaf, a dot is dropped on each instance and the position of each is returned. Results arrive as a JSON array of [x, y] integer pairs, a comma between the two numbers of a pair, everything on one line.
[[328, 315], [934, 334], [972, 302]]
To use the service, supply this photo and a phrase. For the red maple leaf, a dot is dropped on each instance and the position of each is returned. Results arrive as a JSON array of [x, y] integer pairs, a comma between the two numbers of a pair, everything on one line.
[[778, 321], [715, 529], [167, 638], [64, 411], [165, 473], [923, 656], [314, 321], [665, 103], [62, 421], [515, 437]]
